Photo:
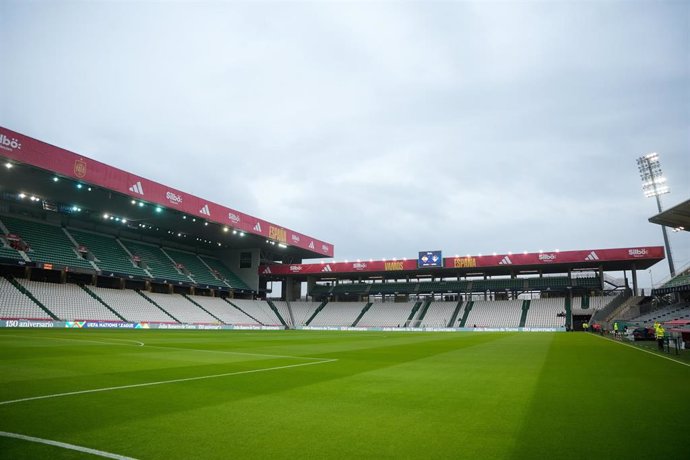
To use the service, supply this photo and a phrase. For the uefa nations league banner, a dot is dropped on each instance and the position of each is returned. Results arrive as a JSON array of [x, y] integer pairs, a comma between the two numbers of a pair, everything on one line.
[[33, 323]]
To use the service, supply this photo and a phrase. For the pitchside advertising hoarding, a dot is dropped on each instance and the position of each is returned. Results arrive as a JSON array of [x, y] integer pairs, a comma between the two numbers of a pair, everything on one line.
[[24, 149], [586, 256], [37, 323]]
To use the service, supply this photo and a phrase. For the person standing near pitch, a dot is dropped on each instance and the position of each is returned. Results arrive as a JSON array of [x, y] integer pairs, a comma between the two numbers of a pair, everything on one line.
[[659, 332]]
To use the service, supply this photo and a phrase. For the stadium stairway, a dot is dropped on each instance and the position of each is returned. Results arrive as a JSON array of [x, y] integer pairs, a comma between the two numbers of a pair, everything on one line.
[[102, 302], [417, 319], [425, 308], [28, 293], [159, 307], [455, 314], [466, 314], [364, 310], [525, 309], [412, 313], [198, 305], [252, 317], [316, 312], [275, 310], [292, 316]]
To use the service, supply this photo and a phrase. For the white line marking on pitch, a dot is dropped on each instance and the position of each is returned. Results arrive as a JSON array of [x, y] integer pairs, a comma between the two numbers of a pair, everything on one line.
[[139, 344], [142, 344], [163, 382], [64, 445], [643, 350], [233, 352]]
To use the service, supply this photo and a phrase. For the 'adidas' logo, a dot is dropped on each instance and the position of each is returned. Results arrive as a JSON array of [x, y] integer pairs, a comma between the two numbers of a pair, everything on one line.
[[205, 211], [592, 256], [257, 227], [327, 268], [505, 261], [311, 245], [137, 188], [267, 271]]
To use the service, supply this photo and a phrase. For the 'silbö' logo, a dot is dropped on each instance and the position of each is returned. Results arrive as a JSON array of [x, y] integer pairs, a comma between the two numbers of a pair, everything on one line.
[[547, 257], [295, 268], [173, 198], [9, 144], [234, 218], [638, 252]]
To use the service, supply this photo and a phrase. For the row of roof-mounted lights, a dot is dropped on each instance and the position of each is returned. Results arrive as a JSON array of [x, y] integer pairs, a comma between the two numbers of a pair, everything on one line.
[[141, 204], [234, 231], [107, 216], [79, 186], [278, 243]]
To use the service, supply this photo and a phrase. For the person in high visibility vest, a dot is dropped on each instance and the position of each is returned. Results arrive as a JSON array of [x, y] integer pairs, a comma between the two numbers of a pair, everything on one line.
[[615, 329], [659, 333]]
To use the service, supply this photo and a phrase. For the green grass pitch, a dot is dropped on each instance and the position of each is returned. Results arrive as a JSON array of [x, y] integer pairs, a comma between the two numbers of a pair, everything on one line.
[[308, 394]]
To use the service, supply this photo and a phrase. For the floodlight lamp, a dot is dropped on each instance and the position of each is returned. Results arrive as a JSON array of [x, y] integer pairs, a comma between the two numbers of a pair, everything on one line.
[[134, 202], [79, 186], [124, 221], [158, 209], [141, 204], [8, 165], [55, 179], [105, 216], [22, 196]]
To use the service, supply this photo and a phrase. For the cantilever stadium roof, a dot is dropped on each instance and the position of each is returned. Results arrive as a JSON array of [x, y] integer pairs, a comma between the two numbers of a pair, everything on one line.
[[51, 173], [675, 217]]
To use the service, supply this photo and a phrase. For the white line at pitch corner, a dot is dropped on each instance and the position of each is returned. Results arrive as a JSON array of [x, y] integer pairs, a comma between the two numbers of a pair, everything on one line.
[[643, 350], [163, 382], [65, 445]]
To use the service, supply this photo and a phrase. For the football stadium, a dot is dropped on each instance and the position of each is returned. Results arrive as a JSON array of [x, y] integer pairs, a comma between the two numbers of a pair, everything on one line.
[[141, 321]]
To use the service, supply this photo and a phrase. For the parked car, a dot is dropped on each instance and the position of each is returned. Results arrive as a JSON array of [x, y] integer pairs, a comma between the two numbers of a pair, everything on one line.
[[644, 333]]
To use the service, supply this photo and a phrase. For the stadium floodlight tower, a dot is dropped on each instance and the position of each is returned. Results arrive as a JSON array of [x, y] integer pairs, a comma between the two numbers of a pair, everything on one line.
[[654, 185]]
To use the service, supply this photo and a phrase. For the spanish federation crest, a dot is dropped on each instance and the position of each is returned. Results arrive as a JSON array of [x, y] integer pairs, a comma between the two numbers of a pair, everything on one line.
[[80, 168]]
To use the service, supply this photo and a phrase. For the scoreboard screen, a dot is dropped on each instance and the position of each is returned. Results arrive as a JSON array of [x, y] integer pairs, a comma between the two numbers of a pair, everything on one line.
[[430, 259]]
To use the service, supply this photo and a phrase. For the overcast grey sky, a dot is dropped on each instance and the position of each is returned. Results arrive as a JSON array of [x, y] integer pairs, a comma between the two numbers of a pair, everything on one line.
[[385, 128]]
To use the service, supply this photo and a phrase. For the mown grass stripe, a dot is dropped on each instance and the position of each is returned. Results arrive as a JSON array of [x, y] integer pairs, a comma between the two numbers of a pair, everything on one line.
[[643, 350], [163, 382]]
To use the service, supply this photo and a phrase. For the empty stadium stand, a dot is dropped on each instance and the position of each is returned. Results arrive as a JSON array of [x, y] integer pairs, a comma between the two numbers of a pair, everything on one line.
[[438, 314], [222, 272], [545, 313], [338, 314], [14, 304], [156, 261], [198, 270], [109, 254], [47, 243], [131, 306], [505, 313], [302, 311], [386, 314], [224, 311], [257, 309], [68, 301], [181, 308]]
